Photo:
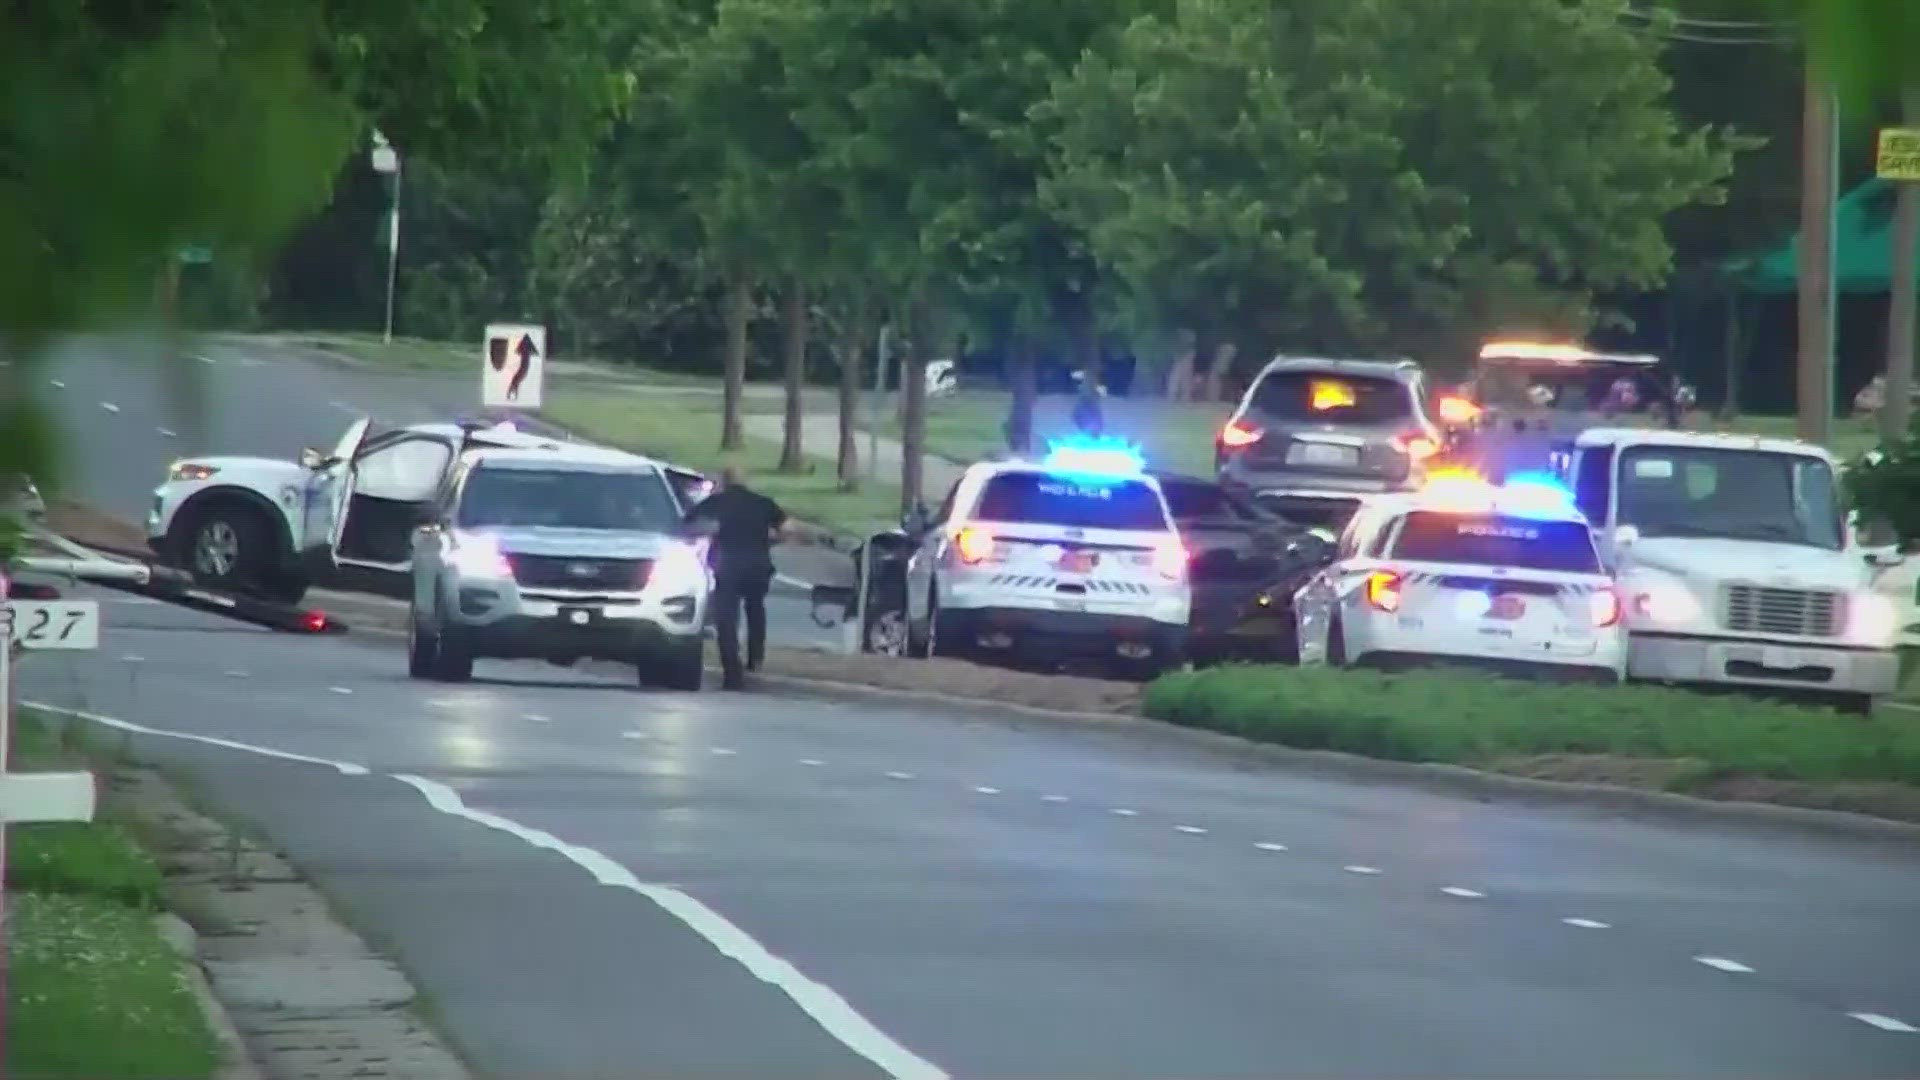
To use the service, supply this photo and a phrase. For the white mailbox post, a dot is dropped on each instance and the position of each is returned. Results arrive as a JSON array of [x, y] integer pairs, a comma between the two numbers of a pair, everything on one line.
[[58, 796]]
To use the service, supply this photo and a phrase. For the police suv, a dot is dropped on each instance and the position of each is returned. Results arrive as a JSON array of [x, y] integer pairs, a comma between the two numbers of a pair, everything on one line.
[[1504, 576], [557, 554], [1073, 556]]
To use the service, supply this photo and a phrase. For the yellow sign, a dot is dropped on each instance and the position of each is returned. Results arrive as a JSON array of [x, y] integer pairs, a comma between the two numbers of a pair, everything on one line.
[[1899, 156]]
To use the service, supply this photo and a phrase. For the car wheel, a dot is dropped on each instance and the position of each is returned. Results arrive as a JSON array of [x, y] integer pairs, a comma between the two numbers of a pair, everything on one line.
[[452, 657], [941, 640], [422, 650], [229, 548], [680, 667], [1852, 704], [887, 633]]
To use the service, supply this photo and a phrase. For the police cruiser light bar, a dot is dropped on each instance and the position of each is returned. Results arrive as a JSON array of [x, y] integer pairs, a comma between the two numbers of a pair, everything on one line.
[[1094, 457], [1522, 495]]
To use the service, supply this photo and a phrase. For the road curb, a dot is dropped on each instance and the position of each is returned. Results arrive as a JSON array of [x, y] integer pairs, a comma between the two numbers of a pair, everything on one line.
[[1445, 778], [236, 1061]]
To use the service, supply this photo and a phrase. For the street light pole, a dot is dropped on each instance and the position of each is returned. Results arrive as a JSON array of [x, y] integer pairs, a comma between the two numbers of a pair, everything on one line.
[[386, 161]]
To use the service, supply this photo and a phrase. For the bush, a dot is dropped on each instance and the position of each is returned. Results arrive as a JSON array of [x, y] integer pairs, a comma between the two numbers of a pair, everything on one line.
[[1473, 719], [1884, 484]]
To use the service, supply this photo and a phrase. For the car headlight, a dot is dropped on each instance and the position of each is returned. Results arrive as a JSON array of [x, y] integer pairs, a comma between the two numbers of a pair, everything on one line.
[[678, 570], [1872, 620], [189, 470], [479, 557], [1666, 604]]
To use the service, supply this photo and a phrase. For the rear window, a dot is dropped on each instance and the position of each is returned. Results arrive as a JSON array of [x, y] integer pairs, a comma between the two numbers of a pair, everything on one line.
[[1478, 540], [1040, 499], [1195, 502], [1299, 395]]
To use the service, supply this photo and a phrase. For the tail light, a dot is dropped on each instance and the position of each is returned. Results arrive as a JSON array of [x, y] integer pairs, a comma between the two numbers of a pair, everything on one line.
[[1417, 447], [1238, 434], [1383, 590], [314, 622], [1606, 608], [1170, 559], [1458, 411], [973, 545]]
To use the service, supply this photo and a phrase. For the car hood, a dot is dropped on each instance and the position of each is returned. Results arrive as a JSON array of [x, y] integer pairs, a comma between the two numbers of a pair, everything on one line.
[[254, 470], [1787, 566], [579, 543]]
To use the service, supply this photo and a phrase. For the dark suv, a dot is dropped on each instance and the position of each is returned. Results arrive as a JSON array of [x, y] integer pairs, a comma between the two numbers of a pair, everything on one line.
[[1313, 436]]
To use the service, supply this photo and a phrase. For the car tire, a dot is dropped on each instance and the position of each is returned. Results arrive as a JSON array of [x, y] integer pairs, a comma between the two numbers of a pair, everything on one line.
[[422, 651], [452, 657], [678, 667], [230, 548], [941, 640], [1852, 704]]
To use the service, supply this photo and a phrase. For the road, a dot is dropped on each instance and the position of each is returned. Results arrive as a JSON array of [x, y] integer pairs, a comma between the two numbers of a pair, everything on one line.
[[126, 415], [825, 885]]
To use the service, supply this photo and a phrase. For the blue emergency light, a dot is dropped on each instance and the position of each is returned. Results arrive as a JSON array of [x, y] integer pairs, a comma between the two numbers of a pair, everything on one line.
[[1094, 456], [1539, 492]]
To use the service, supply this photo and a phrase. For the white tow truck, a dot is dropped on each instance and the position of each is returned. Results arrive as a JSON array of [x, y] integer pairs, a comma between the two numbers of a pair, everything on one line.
[[1738, 563]]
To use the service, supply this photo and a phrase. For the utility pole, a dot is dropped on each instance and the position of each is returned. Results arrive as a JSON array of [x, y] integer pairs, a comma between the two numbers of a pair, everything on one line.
[[1896, 404], [1818, 193]]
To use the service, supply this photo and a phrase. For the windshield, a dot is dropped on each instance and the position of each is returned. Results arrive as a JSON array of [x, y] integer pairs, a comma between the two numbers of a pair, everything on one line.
[[567, 499], [1730, 494], [1484, 540], [1339, 399], [1584, 388], [1041, 499]]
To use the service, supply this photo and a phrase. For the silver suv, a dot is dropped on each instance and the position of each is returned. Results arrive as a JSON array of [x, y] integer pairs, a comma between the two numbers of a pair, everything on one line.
[[1317, 434], [557, 555]]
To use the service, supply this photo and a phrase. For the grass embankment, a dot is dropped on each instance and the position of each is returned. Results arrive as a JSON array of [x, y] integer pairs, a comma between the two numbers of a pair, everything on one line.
[[406, 354], [93, 991], [1641, 736]]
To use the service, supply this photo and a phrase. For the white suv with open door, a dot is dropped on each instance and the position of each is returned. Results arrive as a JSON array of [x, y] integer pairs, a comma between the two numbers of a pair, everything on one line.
[[1073, 556]]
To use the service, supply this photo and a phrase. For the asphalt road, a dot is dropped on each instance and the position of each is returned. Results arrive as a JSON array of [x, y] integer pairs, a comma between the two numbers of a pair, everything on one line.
[[126, 415], [592, 880]]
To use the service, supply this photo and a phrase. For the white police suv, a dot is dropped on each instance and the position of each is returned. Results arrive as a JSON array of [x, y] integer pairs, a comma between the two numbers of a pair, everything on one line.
[[1075, 556], [1505, 577]]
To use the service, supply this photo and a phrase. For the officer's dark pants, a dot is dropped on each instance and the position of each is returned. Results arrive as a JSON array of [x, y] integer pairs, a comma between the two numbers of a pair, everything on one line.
[[731, 592]]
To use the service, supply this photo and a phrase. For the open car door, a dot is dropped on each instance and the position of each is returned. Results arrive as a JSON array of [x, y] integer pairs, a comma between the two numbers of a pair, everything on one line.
[[327, 488], [383, 492]]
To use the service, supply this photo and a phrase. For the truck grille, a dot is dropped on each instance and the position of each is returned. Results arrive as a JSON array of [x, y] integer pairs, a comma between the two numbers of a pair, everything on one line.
[[585, 575], [1798, 612]]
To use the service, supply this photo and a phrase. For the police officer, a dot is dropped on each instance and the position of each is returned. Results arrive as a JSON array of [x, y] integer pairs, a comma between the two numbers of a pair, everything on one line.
[[745, 526]]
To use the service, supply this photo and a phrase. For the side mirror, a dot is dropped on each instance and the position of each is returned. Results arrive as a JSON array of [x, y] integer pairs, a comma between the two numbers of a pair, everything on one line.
[[1882, 558], [311, 458], [1624, 536]]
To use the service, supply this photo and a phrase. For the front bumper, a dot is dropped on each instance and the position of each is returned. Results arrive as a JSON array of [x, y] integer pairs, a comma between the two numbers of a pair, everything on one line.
[[1680, 659], [1030, 632], [496, 619]]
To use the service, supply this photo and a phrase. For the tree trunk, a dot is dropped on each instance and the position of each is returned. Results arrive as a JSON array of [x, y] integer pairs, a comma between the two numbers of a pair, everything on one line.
[[1219, 367], [1021, 381], [733, 362], [793, 345], [913, 395], [1730, 399], [1180, 373], [1898, 407], [852, 345]]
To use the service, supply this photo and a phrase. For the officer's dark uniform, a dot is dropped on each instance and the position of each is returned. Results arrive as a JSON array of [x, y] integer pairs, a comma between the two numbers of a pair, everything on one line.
[[741, 555]]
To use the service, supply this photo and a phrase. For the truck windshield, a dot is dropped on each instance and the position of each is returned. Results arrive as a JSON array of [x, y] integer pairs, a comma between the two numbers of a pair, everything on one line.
[[1730, 494], [567, 499], [1582, 388]]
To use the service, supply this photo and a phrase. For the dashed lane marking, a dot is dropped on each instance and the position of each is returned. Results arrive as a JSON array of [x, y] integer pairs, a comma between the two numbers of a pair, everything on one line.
[[537, 718], [110, 406], [235, 674], [131, 659], [1361, 869], [203, 358], [1721, 963], [899, 776], [1464, 894], [57, 384], [1268, 845], [1121, 811], [1190, 830], [167, 433], [1587, 924], [986, 790], [1885, 1023], [1053, 798], [633, 734], [341, 689], [812, 762], [721, 751]]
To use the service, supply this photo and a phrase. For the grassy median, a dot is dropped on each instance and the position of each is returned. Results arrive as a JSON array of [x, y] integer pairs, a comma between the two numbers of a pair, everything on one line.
[[1697, 742], [93, 990]]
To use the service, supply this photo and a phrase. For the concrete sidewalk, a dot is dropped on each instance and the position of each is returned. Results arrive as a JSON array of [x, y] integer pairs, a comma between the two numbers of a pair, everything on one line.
[[820, 438]]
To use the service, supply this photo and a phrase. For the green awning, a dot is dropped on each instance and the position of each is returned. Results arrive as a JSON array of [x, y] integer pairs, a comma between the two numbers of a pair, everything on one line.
[[1862, 244]]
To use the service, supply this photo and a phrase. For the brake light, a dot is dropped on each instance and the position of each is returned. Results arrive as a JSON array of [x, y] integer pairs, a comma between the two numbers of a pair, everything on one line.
[[1458, 411], [1417, 447], [1383, 590], [973, 545], [1170, 559], [1606, 608], [314, 622], [1238, 434]]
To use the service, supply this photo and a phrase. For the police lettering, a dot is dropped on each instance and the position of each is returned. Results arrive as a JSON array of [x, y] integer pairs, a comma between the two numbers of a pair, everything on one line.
[[1474, 528]]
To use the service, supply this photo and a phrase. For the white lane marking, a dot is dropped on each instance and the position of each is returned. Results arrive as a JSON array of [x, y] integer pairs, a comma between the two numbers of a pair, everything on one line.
[[1190, 830], [1268, 845], [1721, 963], [57, 384], [236, 674], [1053, 798], [1464, 894], [899, 776], [131, 659], [203, 358], [721, 751], [341, 689], [1588, 924], [1361, 869], [167, 433], [344, 768], [824, 1005], [110, 406], [812, 761], [443, 702], [633, 734], [1885, 1023], [537, 718], [1121, 811], [986, 791]]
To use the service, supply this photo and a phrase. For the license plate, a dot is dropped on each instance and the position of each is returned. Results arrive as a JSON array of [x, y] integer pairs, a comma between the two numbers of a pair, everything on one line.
[[579, 616], [1079, 562], [1307, 453], [1772, 656], [1507, 607], [1071, 605]]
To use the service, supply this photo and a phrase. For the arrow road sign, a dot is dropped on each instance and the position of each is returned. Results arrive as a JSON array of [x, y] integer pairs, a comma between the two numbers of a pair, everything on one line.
[[513, 368]]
